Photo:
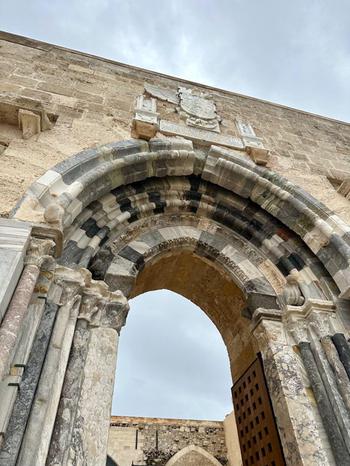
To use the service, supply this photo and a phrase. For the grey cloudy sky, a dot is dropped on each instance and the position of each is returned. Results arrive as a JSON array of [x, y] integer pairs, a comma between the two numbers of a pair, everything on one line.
[[172, 362], [293, 52]]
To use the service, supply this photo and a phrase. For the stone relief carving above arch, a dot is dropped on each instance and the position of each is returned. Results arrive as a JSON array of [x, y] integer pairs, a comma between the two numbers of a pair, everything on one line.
[[198, 110]]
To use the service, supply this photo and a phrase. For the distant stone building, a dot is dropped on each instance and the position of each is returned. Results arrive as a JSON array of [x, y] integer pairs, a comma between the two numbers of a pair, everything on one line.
[[151, 441], [115, 181]]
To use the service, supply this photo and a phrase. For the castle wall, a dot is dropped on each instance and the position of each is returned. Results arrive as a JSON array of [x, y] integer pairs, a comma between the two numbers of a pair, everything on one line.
[[155, 441], [93, 100]]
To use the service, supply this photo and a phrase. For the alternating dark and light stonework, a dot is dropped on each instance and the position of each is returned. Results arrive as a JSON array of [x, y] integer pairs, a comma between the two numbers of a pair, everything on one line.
[[230, 201]]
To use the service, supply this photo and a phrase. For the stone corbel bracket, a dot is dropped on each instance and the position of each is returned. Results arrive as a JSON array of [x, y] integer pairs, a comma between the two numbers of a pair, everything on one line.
[[32, 123], [145, 123], [252, 144], [28, 114]]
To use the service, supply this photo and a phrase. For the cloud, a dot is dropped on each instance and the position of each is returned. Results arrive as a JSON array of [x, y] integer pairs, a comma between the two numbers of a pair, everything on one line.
[[296, 53], [172, 361]]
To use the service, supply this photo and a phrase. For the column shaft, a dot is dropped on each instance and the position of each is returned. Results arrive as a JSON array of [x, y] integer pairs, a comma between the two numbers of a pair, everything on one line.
[[17, 425], [11, 326], [39, 429], [90, 436], [340, 452]]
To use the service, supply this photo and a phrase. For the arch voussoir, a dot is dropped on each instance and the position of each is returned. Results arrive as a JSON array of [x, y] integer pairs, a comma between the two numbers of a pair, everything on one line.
[[133, 257]]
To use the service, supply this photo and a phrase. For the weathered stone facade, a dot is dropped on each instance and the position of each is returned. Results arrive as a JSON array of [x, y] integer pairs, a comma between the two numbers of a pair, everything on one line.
[[94, 100], [237, 204], [153, 441]]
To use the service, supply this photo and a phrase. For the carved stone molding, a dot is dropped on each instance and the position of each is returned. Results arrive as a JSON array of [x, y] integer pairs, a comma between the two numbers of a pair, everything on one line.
[[315, 319], [267, 328]]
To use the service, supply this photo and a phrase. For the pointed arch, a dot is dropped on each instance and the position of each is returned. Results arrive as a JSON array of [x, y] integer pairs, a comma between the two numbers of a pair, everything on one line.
[[193, 455]]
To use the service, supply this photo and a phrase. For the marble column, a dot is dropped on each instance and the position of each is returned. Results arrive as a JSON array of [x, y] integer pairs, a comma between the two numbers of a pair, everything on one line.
[[11, 326], [292, 403], [311, 327], [37, 437], [21, 410], [82, 423]]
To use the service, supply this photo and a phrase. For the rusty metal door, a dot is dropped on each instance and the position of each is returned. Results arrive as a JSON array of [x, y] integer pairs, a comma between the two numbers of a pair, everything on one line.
[[256, 425]]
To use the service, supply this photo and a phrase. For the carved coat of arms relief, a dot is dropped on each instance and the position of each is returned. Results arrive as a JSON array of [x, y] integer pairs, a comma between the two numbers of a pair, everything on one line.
[[202, 123], [198, 110]]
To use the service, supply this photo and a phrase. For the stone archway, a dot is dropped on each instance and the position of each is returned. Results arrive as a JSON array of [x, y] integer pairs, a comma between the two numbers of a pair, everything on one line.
[[192, 456], [106, 222]]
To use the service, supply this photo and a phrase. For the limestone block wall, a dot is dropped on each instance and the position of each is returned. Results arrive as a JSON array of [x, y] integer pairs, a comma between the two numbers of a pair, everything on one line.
[[150, 441], [90, 101]]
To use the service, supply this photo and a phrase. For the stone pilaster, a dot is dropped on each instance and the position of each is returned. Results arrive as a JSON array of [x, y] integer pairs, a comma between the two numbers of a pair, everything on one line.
[[14, 241], [296, 423]]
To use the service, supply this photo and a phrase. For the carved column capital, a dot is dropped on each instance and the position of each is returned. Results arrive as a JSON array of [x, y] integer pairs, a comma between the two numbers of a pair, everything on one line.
[[71, 282], [103, 308], [262, 315], [315, 319], [267, 328], [91, 304], [39, 252], [115, 311]]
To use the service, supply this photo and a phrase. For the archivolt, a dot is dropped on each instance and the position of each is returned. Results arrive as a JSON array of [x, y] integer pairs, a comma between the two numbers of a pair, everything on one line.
[[113, 201]]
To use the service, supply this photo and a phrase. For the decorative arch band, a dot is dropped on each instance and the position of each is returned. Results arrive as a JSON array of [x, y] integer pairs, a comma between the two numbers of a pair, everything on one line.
[[100, 198]]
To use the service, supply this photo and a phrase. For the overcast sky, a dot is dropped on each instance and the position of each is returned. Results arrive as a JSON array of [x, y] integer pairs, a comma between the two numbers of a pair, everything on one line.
[[295, 52], [172, 361]]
